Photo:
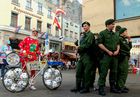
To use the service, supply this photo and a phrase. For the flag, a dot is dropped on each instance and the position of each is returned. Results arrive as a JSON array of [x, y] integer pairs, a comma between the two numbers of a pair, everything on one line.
[[56, 22], [17, 29], [58, 11], [46, 43]]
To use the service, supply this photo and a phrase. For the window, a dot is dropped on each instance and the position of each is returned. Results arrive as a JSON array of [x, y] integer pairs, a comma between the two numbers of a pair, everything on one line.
[[27, 23], [49, 28], [76, 35], [67, 25], [71, 34], [39, 25], [14, 19], [126, 9], [54, 46], [15, 1], [57, 2], [28, 4], [39, 7], [49, 13], [56, 31], [66, 33]]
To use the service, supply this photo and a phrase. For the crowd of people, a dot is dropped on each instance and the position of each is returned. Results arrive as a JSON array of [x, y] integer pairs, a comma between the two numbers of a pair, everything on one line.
[[109, 52]]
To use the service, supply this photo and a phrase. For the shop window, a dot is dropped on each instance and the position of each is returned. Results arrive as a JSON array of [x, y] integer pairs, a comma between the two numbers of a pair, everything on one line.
[[39, 25], [27, 23], [14, 19]]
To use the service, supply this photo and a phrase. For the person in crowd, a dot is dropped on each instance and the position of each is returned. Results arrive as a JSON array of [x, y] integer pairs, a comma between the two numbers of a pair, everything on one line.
[[108, 42], [29, 50], [6, 49], [68, 64], [125, 47], [117, 28], [14, 42], [85, 63], [97, 56]]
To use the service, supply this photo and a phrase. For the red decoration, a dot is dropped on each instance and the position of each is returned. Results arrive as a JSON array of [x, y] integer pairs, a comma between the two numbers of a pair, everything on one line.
[[56, 22]]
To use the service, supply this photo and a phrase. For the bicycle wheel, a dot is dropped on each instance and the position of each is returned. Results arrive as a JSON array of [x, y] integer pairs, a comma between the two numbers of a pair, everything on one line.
[[13, 59], [52, 78], [15, 80]]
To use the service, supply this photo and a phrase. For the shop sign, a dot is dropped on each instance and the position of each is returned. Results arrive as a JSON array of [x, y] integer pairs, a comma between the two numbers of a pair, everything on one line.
[[26, 12]]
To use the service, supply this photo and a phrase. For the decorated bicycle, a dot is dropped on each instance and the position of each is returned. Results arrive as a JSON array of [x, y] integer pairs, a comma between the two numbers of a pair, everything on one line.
[[18, 77]]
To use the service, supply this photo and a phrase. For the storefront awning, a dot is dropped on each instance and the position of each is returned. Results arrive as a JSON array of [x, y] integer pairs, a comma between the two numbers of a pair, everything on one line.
[[69, 43]]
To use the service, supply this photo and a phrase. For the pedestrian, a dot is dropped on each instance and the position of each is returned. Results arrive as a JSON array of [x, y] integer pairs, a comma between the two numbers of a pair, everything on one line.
[[29, 50], [108, 42], [6, 49], [125, 47], [85, 63]]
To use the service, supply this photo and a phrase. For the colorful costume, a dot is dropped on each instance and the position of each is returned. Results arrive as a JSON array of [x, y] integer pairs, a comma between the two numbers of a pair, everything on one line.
[[29, 51]]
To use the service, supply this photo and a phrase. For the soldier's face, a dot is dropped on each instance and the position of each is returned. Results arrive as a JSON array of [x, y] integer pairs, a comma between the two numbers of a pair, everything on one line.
[[111, 26], [86, 27], [125, 34]]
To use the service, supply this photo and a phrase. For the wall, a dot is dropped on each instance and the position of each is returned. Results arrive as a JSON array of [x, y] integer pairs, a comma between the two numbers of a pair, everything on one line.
[[97, 11]]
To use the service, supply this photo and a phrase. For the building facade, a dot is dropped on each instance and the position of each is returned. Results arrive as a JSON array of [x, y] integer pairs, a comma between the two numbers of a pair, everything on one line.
[[125, 12], [71, 24], [19, 17]]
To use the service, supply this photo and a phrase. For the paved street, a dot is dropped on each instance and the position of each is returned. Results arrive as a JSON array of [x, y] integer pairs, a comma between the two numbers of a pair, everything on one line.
[[133, 83]]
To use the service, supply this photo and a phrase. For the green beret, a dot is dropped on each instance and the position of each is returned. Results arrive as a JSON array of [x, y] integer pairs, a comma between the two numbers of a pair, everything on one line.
[[117, 28], [109, 21], [85, 23], [122, 30]]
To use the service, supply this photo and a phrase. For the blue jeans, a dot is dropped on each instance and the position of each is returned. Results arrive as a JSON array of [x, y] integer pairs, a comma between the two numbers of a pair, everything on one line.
[[3, 67]]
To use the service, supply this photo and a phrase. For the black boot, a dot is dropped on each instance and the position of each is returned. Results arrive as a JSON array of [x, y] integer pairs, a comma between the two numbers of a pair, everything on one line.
[[101, 91], [123, 90], [78, 86], [84, 90], [114, 90]]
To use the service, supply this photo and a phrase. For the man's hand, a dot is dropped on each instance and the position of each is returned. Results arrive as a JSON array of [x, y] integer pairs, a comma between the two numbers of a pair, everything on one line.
[[116, 53], [129, 38], [110, 53]]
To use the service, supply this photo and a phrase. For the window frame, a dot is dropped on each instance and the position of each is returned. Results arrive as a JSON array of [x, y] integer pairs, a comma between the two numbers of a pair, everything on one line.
[[13, 22], [39, 28], [29, 26]]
